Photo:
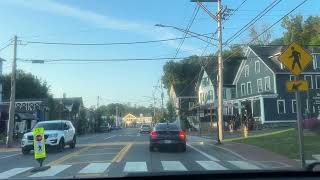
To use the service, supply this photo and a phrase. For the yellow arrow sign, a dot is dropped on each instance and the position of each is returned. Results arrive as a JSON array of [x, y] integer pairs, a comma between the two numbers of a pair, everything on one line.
[[301, 85], [295, 58]]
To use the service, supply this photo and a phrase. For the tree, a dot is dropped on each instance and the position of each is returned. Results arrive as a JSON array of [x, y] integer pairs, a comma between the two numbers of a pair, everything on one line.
[[294, 27], [27, 86], [171, 110], [264, 39], [181, 73], [82, 123]]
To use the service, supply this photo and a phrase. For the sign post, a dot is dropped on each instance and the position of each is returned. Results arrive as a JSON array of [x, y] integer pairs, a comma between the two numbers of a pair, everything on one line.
[[39, 146], [296, 59]]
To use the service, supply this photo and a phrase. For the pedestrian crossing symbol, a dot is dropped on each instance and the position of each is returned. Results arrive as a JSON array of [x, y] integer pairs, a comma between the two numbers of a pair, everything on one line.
[[39, 143], [295, 58]]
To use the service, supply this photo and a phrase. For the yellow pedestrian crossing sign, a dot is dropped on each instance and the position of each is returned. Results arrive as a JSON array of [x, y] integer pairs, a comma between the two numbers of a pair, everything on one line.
[[39, 143], [300, 85], [295, 58]]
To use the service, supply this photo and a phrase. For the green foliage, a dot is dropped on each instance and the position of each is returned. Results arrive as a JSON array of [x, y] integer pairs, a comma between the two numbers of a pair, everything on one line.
[[171, 114], [182, 72], [27, 86], [303, 32], [82, 123]]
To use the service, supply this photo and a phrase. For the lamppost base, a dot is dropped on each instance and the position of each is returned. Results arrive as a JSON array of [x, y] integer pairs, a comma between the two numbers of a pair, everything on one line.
[[218, 143]]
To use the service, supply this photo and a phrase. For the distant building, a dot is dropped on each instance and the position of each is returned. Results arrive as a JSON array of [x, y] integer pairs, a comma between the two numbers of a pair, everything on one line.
[[130, 120]]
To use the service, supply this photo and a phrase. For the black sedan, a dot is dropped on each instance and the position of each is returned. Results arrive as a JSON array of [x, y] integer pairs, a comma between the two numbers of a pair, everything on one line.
[[167, 135]]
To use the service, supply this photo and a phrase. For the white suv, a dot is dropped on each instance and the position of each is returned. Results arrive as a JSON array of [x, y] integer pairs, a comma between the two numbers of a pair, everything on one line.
[[57, 134]]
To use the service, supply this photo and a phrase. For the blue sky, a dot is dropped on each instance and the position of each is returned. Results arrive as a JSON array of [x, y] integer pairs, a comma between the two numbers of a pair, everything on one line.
[[98, 21]]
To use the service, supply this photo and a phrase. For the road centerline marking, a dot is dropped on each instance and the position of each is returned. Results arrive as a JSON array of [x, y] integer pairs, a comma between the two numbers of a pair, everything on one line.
[[68, 156], [203, 153], [122, 153]]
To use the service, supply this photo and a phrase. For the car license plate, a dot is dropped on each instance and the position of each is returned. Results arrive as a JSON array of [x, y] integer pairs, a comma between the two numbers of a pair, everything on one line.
[[167, 141]]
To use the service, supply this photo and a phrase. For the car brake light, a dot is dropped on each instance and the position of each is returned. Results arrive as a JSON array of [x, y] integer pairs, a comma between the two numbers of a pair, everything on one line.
[[182, 135], [153, 134]]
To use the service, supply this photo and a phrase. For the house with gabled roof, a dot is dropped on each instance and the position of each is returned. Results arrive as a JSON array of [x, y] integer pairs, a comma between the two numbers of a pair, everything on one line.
[[260, 85]]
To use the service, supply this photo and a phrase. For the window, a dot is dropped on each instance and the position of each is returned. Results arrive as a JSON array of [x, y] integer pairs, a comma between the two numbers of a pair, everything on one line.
[[259, 85], [249, 88], [292, 78], [281, 106], [317, 81], [243, 87], [267, 86], [233, 93], [294, 106], [224, 94], [309, 79], [316, 58], [257, 66], [246, 71]]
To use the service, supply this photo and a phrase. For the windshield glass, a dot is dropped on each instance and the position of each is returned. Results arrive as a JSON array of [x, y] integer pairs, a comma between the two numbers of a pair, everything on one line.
[[148, 87], [163, 127], [49, 126]]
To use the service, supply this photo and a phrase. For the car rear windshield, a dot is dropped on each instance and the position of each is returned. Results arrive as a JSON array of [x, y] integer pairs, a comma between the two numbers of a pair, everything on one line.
[[160, 127], [49, 126], [145, 126]]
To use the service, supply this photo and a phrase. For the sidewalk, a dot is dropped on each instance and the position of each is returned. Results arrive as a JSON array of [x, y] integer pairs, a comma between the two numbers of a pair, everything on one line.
[[251, 153], [15, 147], [235, 134]]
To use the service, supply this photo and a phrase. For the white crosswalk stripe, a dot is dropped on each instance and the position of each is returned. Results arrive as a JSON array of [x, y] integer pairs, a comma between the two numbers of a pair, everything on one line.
[[13, 172], [51, 172], [95, 168], [173, 166], [244, 165], [211, 165], [135, 167]]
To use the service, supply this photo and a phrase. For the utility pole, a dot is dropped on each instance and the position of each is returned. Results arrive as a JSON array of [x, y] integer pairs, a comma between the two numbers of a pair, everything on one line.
[[10, 124], [161, 96], [98, 98], [117, 116], [220, 73], [218, 18]]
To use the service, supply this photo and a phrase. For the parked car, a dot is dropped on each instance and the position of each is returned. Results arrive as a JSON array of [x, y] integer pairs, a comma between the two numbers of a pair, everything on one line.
[[145, 128], [57, 134], [167, 135]]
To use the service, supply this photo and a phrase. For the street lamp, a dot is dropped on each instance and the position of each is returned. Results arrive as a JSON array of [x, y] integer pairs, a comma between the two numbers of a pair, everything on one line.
[[192, 34]]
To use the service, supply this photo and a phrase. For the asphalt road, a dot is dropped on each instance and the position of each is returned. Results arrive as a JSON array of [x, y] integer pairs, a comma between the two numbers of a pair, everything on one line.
[[125, 152]]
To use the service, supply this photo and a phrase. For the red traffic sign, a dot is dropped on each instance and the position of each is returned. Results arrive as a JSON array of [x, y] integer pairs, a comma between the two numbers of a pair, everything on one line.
[[38, 137]]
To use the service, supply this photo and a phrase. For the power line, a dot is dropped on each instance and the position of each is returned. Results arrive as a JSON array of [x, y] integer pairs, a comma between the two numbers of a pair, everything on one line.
[[195, 12], [5, 46], [268, 28], [254, 20], [113, 43], [45, 60]]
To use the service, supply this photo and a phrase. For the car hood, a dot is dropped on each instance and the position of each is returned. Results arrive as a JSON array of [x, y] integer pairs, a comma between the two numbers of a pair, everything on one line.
[[45, 132]]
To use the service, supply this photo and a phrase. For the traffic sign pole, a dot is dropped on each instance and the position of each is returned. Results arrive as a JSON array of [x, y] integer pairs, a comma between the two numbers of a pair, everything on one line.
[[300, 126]]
